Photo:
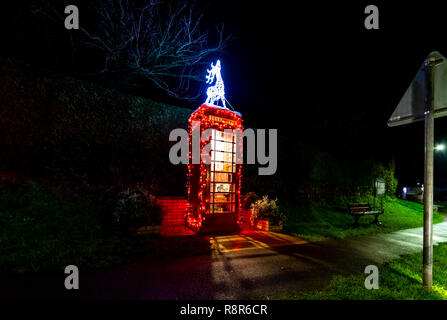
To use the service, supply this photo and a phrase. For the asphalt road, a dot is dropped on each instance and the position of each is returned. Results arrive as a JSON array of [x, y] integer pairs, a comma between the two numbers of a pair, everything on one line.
[[245, 266]]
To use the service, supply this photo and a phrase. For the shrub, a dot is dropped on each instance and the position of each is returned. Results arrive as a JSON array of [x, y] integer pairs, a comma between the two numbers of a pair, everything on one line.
[[269, 210], [136, 207], [387, 173], [248, 199]]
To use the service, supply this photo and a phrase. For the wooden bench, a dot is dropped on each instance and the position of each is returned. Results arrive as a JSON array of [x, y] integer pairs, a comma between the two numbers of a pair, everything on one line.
[[358, 210]]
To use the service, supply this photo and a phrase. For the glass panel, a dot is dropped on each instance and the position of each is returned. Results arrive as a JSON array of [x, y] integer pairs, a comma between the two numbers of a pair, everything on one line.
[[224, 167], [221, 156], [220, 135], [221, 197], [223, 187], [223, 146], [218, 198], [222, 208], [222, 177]]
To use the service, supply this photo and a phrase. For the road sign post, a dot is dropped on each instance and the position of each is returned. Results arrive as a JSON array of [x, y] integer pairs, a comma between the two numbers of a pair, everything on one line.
[[427, 270], [425, 99]]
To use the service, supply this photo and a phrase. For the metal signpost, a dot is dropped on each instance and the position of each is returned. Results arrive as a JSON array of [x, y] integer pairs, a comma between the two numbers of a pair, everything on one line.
[[425, 99], [379, 191]]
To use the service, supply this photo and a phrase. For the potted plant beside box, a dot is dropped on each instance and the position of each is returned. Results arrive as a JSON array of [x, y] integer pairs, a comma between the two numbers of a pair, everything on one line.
[[267, 215]]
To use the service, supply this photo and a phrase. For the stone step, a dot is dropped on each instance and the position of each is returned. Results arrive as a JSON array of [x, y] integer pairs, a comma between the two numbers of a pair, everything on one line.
[[174, 216], [220, 223]]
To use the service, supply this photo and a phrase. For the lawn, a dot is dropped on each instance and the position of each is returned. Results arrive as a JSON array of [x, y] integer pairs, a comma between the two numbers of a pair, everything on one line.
[[40, 231], [46, 229], [398, 280], [314, 222]]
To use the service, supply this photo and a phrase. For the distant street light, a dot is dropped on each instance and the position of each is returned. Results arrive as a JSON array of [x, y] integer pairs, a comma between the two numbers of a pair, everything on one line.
[[440, 147]]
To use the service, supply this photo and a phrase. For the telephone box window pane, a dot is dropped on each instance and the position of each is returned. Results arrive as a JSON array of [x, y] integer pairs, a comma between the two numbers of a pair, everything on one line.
[[228, 147], [223, 167], [223, 208], [220, 197], [223, 146], [222, 177], [228, 157], [221, 135], [216, 157], [222, 184], [221, 156], [222, 187]]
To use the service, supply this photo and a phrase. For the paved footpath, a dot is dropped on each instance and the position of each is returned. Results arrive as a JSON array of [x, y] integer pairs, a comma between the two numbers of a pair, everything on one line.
[[244, 266]]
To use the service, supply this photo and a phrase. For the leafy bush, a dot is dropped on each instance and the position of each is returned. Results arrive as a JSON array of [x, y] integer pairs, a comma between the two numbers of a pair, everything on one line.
[[136, 207], [269, 210], [248, 199]]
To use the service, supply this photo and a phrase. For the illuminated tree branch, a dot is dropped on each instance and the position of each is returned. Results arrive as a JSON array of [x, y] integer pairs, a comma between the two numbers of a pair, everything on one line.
[[152, 41]]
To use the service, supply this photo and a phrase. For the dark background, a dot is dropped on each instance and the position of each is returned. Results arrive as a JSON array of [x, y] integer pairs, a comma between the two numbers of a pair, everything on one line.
[[309, 69], [314, 72]]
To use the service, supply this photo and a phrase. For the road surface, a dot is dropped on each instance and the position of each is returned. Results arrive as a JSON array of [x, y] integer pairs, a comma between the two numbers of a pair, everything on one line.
[[245, 266]]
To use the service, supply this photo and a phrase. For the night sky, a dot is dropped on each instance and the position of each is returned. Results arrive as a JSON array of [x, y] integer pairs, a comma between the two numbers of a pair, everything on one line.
[[314, 72]]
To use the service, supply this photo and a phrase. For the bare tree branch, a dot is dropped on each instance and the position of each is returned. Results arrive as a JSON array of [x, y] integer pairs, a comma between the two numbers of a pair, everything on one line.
[[160, 43]]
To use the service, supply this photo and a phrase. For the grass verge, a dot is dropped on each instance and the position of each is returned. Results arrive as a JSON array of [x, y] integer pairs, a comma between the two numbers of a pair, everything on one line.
[[315, 222], [398, 280], [40, 231]]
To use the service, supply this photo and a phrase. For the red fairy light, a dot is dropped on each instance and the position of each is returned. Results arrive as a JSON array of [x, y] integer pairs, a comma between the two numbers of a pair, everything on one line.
[[200, 183]]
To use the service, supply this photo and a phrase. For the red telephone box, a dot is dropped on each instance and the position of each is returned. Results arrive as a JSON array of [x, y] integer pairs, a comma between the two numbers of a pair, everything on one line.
[[214, 186]]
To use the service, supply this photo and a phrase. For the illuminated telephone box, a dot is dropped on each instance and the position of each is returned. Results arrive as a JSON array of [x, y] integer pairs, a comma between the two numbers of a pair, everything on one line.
[[214, 184]]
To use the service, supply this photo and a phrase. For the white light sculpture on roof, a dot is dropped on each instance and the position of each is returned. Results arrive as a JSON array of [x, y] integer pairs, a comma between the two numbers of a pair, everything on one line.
[[216, 92]]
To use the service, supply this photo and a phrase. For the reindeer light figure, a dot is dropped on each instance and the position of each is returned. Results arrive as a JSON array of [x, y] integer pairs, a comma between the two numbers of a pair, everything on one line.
[[216, 92]]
